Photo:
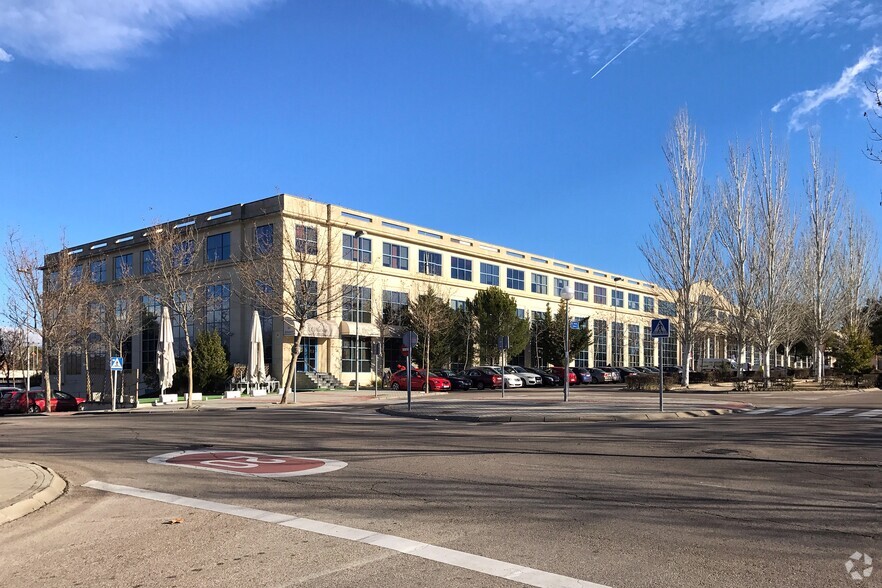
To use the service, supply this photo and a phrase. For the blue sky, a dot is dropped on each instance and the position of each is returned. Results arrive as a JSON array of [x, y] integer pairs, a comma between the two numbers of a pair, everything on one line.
[[478, 117]]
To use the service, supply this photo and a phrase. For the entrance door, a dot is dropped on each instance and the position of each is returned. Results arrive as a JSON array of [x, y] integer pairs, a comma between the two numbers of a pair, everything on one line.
[[308, 360]]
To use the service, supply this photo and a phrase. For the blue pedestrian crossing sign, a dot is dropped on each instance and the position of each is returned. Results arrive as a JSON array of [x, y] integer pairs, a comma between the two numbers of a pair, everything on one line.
[[116, 364], [661, 328], [574, 324]]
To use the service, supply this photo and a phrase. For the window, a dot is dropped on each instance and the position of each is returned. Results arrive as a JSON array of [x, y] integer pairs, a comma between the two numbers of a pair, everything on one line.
[[122, 266], [599, 295], [430, 263], [217, 310], [217, 247], [648, 346], [461, 268], [666, 308], [618, 298], [73, 363], [180, 344], [633, 302], [76, 273], [669, 346], [306, 239], [618, 344], [521, 313], [489, 274], [600, 343], [150, 332], [182, 253], [306, 299], [559, 285], [361, 354], [395, 256], [394, 307], [263, 239], [458, 304], [515, 279], [357, 248], [537, 315], [582, 358], [98, 271], [633, 345], [649, 304], [581, 291], [356, 304], [539, 284], [148, 262]]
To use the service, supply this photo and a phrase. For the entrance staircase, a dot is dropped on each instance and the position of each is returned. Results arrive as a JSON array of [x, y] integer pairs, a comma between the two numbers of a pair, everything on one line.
[[317, 381]]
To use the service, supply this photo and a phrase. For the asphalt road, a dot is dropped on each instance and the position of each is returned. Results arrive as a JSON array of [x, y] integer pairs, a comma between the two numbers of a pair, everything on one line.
[[734, 500]]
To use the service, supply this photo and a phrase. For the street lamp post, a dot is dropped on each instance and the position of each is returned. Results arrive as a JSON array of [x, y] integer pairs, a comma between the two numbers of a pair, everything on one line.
[[616, 320], [567, 294], [358, 235]]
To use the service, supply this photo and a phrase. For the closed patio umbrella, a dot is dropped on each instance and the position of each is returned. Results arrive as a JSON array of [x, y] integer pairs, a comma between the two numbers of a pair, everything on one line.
[[255, 351], [165, 351]]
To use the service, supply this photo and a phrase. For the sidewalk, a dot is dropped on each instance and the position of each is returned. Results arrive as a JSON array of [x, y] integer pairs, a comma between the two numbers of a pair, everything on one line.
[[26, 487]]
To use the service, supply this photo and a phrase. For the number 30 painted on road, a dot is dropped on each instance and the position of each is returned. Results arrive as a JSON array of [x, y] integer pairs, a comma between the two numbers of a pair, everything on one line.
[[248, 463]]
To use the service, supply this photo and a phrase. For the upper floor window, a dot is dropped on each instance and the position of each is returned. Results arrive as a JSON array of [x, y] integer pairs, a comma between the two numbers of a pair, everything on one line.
[[76, 273], [521, 313], [430, 263], [305, 299], [515, 279], [559, 285], [666, 308], [633, 301], [356, 304], [539, 284], [618, 298], [537, 315], [458, 304], [263, 239], [182, 253], [306, 239], [581, 291], [395, 256], [394, 307], [98, 271], [357, 248], [461, 268], [148, 262], [217, 247], [648, 304], [599, 295], [122, 266], [489, 274]]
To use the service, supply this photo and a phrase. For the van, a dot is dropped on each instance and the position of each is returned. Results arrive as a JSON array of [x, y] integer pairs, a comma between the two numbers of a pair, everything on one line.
[[710, 364]]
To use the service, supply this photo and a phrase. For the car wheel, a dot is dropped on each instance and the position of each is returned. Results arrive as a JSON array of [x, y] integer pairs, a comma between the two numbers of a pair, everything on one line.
[[81, 407], [33, 409], [480, 386], [395, 386]]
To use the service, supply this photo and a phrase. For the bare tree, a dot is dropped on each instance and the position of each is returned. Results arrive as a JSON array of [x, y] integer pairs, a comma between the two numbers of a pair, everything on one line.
[[115, 314], [858, 271], [12, 345], [298, 277], [428, 313], [819, 246], [181, 275], [775, 237], [872, 150], [679, 248], [736, 259]]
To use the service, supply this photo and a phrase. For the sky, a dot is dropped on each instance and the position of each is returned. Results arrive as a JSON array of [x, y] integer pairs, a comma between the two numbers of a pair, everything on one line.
[[536, 125]]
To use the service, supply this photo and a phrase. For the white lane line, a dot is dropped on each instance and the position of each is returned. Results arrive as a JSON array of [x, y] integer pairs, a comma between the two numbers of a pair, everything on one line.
[[869, 413], [469, 561], [835, 411], [798, 411], [763, 410]]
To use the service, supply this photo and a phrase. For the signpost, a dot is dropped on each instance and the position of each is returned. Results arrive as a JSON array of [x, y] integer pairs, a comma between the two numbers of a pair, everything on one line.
[[376, 349], [410, 340], [661, 329], [116, 365], [503, 346]]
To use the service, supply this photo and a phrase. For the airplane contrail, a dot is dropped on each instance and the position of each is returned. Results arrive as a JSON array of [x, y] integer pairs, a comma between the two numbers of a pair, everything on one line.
[[628, 46]]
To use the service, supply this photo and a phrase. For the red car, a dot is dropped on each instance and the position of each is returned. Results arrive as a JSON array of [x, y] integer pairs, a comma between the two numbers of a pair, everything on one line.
[[35, 401], [418, 381], [559, 372]]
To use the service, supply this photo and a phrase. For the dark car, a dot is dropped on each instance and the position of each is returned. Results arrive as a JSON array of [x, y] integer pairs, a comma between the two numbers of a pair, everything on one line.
[[548, 379], [624, 372], [583, 376], [457, 382], [599, 376], [559, 372], [483, 377]]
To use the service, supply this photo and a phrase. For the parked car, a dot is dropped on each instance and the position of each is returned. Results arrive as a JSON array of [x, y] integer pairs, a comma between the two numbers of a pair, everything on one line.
[[418, 381], [616, 377], [511, 380], [6, 394], [548, 379], [624, 372], [583, 376], [600, 376], [482, 377], [709, 364], [529, 378], [457, 382], [559, 372], [35, 401]]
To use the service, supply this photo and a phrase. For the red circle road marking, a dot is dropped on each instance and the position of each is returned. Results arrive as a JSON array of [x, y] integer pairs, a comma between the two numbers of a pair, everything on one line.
[[248, 463]]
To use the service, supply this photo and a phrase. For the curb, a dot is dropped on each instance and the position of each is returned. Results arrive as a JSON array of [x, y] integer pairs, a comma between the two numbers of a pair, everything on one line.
[[545, 418], [49, 492]]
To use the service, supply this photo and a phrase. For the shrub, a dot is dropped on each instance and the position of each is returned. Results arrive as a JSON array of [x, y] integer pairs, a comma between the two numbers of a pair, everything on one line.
[[210, 363]]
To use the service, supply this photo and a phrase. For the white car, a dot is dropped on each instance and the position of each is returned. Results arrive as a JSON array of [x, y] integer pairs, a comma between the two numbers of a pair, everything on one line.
[[529, 378], [511, 380]]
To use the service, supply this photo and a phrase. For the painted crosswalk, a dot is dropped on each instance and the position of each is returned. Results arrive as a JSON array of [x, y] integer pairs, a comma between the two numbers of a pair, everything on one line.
[[811, 411]]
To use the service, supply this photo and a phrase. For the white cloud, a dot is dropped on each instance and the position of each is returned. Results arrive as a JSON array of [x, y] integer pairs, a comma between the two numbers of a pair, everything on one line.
[[849, 84], [4, 56], [100, 33]]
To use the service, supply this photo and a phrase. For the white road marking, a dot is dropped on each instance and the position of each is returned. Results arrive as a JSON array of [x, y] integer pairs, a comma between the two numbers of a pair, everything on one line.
[[216, 464], [835, 411], [869, 413], [764, 410], [799, 411], [469, 561]]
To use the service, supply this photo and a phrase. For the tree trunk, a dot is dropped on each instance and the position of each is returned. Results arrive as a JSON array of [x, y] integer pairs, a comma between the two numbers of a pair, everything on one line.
[[88, 375], [189, 376], [767, 368], [428, 350], [820, 363], [687, 350]]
